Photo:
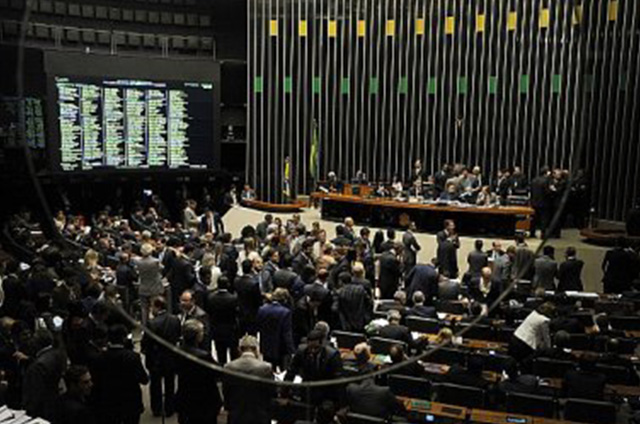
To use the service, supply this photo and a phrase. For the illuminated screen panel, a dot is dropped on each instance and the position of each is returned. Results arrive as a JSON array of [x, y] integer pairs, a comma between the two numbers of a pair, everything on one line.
[[134, 124]]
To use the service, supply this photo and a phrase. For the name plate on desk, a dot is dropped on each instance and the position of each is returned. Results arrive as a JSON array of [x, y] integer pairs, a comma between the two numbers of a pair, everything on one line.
[[494, 417]]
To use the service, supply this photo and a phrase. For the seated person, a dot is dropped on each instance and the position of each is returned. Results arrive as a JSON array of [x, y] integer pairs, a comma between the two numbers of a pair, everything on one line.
[[486, 198], [484, 289], [394, 330], [515, 382], [361, 363], [398, 356], [450, 193], [585, 382], [559, 350], [470, 376], [612, 357], [398, 304], [367, 398], [419, 309]]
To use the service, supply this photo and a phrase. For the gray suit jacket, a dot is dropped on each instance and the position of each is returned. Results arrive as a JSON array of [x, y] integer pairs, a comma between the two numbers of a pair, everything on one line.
[[477, 260], [150, 273], [248, 402], [546, 271]]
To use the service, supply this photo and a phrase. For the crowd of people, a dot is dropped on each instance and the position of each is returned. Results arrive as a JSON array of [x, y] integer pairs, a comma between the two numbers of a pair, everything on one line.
[[263, 303]]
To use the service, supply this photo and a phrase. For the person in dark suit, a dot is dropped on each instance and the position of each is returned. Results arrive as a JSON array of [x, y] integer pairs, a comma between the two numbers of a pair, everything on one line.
[[208, 223], [469, 376], [484, 289], [477, 259], [448, 245], [390, 274], [394, 330], [390, 243], [570, 272], [585, 382], [198, 399], [367, 398], [419, 309], [249, 299], [546, 270], [222, 308], [126, 276], [159, 359], [353, 304], [261, 228], [42, 377], [189, 310], [73, 407], [621, 266], [276, 329], [316, 361], [246, 401], [423, 278], [517, 382], [410, 248], [119, 374], [181, 275], [541, 202], [304, 258]]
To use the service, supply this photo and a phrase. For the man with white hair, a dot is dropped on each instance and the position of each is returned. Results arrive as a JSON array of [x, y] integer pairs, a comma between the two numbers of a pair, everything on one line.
[[247, 401]]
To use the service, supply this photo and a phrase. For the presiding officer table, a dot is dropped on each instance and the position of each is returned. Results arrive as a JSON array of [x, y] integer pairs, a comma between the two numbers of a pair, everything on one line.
[[504, 221]]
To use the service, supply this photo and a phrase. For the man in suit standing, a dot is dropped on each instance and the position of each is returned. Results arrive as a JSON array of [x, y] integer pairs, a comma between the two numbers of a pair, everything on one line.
[[423, 278], [621, 266], [159, 359], [190, 219], [570, 272], [198, 399], [73, 407], [222, 308], [304, 258], [541, 202], [150, 271], [390, 243], [546, 270], [448, 245], [275, 325], [189, 310], [477, 260], [42, 377], [247, 288], [390, 274], [181, 275], [119, 374], [261, 228], [353, 304], [246, 401], [210, 223], [411, 248]]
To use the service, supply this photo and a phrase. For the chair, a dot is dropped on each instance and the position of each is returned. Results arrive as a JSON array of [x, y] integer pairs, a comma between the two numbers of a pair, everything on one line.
[[589, 411], [495, 363], [411, 387], [455, 394], [615, 374], [346, 340], [423, 325], [382, 346], [580, 342], [504, 334], [447, 356], [551, 368], [363, 419], [477, 332], [625, 323], [451, 307], [526, 404]]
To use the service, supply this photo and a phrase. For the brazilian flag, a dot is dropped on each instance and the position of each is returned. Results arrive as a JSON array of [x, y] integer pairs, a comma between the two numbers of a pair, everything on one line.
[[313, 155]]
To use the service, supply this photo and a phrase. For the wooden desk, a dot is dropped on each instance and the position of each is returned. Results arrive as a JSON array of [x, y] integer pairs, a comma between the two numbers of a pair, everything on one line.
[[609, 389], [274, 207], [378, 212], [434, 408]]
